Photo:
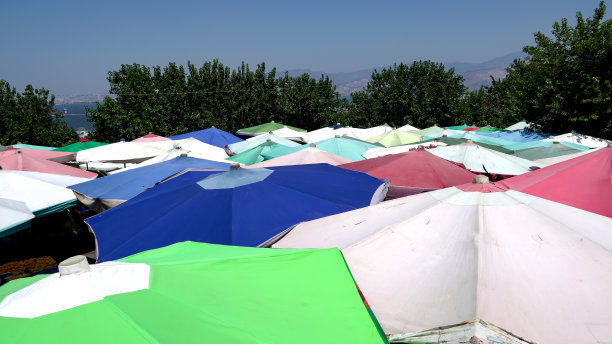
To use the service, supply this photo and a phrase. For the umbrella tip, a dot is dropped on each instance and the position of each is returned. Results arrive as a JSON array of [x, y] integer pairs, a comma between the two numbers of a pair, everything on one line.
[[183, 155], [313, 145], [480, 179], [73, 266], [234, 166], [268, 140], [272, 122]]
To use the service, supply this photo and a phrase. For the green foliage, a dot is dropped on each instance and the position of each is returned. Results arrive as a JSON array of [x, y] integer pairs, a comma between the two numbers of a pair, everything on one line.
[[422, 94], [173, 100], [28, 117], [564, 83]]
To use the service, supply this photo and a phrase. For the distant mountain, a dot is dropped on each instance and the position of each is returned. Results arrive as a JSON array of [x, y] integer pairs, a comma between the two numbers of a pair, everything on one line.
[[475, 74]]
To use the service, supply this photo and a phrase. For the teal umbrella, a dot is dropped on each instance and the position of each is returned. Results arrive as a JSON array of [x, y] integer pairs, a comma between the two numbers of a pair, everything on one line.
[[254, 155], [347, 147]]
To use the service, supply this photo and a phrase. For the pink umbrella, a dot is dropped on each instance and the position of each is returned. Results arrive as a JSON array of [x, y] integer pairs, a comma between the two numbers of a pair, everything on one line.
[[584, 182], [56, 156], [150, 137], [18, 160]]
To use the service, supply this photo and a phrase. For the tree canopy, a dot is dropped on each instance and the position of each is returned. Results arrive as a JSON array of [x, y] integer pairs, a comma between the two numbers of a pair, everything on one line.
[[28, 117]]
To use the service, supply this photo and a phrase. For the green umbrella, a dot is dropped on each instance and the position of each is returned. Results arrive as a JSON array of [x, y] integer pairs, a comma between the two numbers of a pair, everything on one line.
[[553, 149], [264, 128], [347, 147], [488, 129], [459, 127], [26, 146], [451, 141], [193, 293], [3, 148], [254, 155], [79, 146], [395, 138], [428, 131]]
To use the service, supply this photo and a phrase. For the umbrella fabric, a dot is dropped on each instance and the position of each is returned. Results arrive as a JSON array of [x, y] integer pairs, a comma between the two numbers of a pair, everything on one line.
[[356, 133], [253, 142], [581, 139], [126, 152], [584, 182], [310, 155], [150, 137], [395, 138], [479, 159], [35, 147], [518, 125], [458, 127], [265, 128], [487, 129], [343, 146], [106, 192], [194, 293], [78, 146], [14, 216], [3, 147], [561, 158], [289, 133], [448, 256], [60, 157], [243, 207], [547, 151], [524, 135], [407, 127], [18, 160], [60, 180], [384, 151], [429, 131], [471, 129], [533, 144], [451, 141], [212, 136], [413, 172], [255, 154]]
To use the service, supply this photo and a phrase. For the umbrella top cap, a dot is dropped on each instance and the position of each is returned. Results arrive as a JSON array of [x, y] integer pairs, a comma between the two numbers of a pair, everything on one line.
[[480, 179], [73, 266], [234, 178]]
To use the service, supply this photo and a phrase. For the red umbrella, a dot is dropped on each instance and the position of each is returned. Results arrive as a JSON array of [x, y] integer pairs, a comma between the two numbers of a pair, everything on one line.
[[584, 182], [413, 172], [56, 156], [471, 128], [19, 160], [150, 137]]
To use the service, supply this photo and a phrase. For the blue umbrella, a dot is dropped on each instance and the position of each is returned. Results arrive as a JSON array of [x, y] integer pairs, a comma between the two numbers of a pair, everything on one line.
[[243, 207], [212, 136], [106, 192], [523, 135]]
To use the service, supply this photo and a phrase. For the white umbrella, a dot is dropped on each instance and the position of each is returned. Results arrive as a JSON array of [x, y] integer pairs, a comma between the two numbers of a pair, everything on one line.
[[479, 159], [310, 155], [289, 133], [539, 269], [124, 152], [585, 140], [383, 151], [408, 127], [12, 214]]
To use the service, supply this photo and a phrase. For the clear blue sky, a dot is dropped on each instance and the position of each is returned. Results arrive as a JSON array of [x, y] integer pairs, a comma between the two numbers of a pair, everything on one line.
[[68, 46]]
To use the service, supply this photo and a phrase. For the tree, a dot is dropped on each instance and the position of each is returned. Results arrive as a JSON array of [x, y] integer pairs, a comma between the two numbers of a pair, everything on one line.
[[565, 82], [422, 94], [29, 117]]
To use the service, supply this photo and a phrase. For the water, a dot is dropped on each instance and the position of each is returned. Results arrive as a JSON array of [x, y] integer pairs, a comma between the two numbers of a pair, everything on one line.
[[76, 121]]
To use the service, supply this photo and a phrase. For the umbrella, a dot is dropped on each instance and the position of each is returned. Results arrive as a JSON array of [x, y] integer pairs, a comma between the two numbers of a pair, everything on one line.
[[471, 129], [265, 128], [243, 207], [253, 142], [192, 293], [561, 158], [26, 146], [395, 138], [22, 161], [150, 137], [212, 136], [479, 159], [60, 157], [429, 131], [519, 125], [356, 133], [106, 192], [407, 127], [310, 155], [254, 155], [377, 152], [448, 256], [413, 172], [78, 146], [583, 182], [459, 127], [548, 150], [581, 139], [126, 152], [289, 133], [346, 147], [14, 216], [524, 135], [451, 141], [534, 144], [487, 129]]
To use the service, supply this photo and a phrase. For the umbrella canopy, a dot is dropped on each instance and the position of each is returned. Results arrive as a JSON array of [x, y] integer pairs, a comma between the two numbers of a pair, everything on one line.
[[413, 172], [14, 216], [584, 182], [212, 136], [470, 129], [561, 158], [487, 129], [534, 144], [265, 128], [548, 151], [483, 160], [106, 192], [18, 160], [519, 125], [126, 152], [150, 137], [243, 207], [193, 293], [310, 155], [384, 151], [407, 127], [524, 135], [289, 133], [78, 146], [429, 131], [581, 139], [356, 133], [448, 256], [60, 157], [346, 147], [255, 154], [26, 146], [451, 141], [253, 142], [459, 127], [395, 138]]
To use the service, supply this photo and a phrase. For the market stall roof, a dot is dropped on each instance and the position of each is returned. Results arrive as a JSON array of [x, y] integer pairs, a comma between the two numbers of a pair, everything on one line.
[[253, 142], [18, 160], [395, 138], [346, 147], [581, 139], [192, 293], [60, 157], [212, 136], [78, 146], [255, 154], [265, 128], [310, 155]]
